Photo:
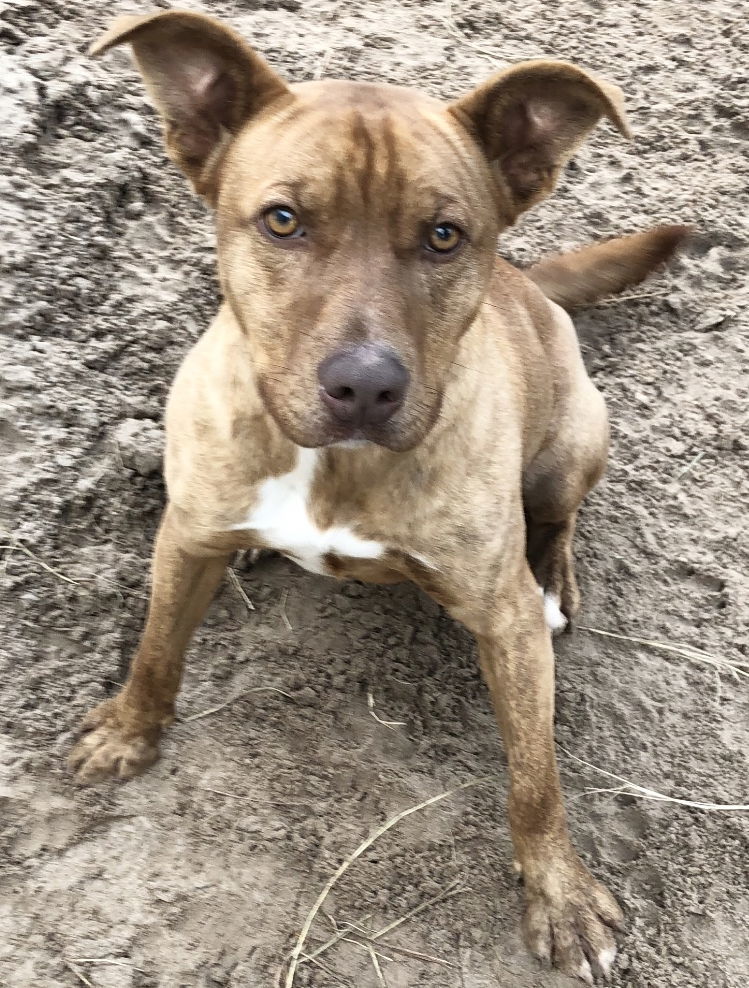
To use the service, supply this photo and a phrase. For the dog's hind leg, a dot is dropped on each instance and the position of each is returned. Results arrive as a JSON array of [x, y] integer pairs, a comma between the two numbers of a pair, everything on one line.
[[554, 486], [563, 472], [550, 555], [121, 736]]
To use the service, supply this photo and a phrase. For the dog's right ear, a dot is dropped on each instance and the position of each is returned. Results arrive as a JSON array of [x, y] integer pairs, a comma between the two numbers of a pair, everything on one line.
[[204, 80], [529, 119]]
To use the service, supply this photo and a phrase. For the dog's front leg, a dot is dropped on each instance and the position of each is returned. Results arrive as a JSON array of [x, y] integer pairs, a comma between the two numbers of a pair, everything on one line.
[[122, 734], [569, 915]]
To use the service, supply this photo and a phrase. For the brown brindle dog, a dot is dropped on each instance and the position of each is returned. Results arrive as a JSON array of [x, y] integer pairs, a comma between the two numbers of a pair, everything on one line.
[[380, 397]]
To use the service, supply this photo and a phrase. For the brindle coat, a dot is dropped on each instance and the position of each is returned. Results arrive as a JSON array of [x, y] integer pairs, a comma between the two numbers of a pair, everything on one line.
[[472, 487]]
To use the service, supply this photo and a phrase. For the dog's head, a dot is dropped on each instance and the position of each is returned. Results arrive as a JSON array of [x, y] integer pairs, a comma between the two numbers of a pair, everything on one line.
[[356, 223]]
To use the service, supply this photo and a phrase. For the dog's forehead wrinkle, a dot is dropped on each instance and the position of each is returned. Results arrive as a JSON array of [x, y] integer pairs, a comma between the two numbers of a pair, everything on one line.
[[373, 184], [363, 148]]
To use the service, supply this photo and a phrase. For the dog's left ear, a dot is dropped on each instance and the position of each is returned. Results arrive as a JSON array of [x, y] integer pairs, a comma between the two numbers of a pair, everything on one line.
[[529, 119], [203, 78]]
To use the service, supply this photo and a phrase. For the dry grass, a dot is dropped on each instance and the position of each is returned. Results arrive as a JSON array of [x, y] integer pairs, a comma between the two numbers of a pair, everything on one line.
[[370, 936], [643, 792], [392, 724], [234, 580], [735, 667], [284, 615], [233, 699], [296, 954], [633, 297], [454, 888], [452, 27], [78, 974], [16, 545]]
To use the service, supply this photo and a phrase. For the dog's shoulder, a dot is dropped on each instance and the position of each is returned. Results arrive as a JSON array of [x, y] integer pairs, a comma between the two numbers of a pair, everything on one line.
[[220, 442], [527, 319], [512, 291], [214, 379]]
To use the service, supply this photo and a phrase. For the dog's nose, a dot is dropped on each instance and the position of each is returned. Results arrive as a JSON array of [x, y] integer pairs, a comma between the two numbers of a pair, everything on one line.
[[363, 386]]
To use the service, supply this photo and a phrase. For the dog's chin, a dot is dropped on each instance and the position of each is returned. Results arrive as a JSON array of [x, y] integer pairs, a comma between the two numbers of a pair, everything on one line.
[[394, 440], [334, 435]]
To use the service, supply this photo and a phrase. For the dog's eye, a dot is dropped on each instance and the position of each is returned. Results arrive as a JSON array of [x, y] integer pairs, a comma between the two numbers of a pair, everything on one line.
[[281, 222], [444, 237]]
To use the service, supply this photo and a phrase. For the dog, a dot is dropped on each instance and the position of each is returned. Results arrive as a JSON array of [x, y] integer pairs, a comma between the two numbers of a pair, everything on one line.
[[382, 398]]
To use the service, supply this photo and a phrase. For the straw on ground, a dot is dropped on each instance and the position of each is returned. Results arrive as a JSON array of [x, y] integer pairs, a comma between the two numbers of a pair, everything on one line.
[[392, 724], [284, 615], [346, 864], [234, 579], [737, 667], [454, 888], [233, 699], [643, 792]]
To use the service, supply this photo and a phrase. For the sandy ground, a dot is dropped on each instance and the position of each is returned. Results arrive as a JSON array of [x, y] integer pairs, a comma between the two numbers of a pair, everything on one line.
[[202, 872]]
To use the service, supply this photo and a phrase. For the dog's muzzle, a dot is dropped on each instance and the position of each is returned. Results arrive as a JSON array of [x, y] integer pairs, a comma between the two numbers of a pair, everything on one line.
[[363, 386]]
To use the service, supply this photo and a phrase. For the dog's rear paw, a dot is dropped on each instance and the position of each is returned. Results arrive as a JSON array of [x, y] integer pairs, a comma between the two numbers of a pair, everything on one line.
[[569, 921], [555, 619], [248, 557], [111, 749]]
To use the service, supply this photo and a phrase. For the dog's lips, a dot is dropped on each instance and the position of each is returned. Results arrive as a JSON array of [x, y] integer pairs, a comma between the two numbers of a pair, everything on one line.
[[358, 438], [355, 436], [317, 431]]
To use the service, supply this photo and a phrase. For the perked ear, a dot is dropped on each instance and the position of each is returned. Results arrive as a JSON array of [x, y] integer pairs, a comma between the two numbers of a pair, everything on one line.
[[529, 120], [204, 80]]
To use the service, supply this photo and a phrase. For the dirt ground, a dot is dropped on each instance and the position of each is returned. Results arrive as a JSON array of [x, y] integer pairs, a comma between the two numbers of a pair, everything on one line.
[[202, 872]]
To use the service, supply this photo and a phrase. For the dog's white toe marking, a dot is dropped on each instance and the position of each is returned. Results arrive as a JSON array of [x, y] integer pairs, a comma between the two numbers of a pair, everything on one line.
[[281, 518], [606, 959], [585, 972], [555, 620]]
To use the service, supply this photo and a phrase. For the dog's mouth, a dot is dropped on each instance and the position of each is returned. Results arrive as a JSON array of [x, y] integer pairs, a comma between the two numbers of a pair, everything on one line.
[[315, 427], [390, 437]]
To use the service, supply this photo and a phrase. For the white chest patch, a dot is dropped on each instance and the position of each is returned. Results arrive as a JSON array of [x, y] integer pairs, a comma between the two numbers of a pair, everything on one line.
[[282, 520]]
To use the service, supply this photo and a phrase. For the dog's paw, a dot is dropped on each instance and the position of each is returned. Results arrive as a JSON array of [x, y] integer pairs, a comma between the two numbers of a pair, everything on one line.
[[555, 619], [569, 921], [111, 749], [247, 558]]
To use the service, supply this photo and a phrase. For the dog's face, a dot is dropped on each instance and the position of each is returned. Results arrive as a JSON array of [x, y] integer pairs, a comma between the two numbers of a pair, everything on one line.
[[356, 223], [356, 236]]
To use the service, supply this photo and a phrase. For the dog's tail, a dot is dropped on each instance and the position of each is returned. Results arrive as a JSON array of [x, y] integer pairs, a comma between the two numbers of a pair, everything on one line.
[[583, 276]]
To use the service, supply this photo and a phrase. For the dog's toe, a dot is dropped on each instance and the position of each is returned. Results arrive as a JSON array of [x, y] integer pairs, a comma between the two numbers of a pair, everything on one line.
[[109, 750], [606, 960], [569, 919], [104, 755]]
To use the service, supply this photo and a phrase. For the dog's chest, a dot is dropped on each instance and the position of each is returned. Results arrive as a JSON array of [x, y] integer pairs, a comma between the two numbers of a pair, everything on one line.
[[281, 518]]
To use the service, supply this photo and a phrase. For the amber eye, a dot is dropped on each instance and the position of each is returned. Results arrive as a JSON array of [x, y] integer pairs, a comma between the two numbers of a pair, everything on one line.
[[281, 221], [444, 237]]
